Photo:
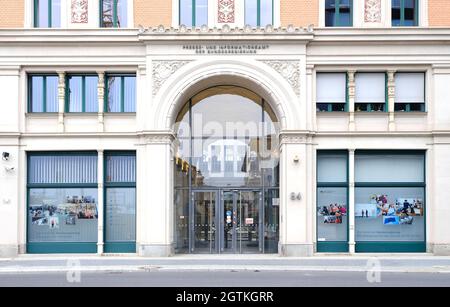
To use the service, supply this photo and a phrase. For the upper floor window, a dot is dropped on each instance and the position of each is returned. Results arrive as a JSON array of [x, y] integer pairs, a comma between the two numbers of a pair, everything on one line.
[[47, 13], [410, 92], [120, 93], [370, 93], [193, 12], [42, 93], [114, 13], [331, 92], [338, 13], [82, 93], [405, 13], [258, 13]]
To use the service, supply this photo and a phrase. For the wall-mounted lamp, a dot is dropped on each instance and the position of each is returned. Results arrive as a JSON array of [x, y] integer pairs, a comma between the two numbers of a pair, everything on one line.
[[5, 156], [296, 159]]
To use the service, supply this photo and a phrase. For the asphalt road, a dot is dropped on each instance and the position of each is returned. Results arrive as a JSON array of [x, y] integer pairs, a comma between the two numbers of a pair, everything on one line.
[[225, 279]]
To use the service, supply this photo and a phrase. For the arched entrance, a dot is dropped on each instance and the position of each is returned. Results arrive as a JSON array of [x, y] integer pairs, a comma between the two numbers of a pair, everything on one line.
[[226, 173]]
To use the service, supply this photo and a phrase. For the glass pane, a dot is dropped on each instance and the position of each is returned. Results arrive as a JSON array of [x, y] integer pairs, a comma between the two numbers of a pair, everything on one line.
[[389, 214], [251, 12], [205, 222], [56, 13], [330, 12], [130, 94], [181, 221], [76, 94], [417, 107], [389, 168], [247, 227], [37, 94], [331, 87], [120, 215], [114, 94], [201, 13], [332, 214], [338, 107], [370, 87], [410, 13], [186, 13], [266, 12], [63, 168], [107, 14], [331, 167], [271, 221], [361, 107], [345, 18], [322, 107], [396, 15], [62, 215], [122, 13], [42, 13], [410, 87], [120, 168], [91, 94], [52, 94]]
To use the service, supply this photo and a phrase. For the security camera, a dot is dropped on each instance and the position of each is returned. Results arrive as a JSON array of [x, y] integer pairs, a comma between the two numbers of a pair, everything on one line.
[[5, 156]]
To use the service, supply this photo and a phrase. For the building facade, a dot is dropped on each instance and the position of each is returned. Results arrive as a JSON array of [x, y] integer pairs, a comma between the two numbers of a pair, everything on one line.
[[224, 126]]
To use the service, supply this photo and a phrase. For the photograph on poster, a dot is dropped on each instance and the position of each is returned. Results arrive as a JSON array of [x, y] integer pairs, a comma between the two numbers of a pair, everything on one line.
[[53, 222], [366, 210], [333, 213]]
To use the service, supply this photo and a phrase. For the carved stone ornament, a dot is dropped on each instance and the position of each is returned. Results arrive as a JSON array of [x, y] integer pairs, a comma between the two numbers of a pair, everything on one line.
[[289, 70], [162, 70], [226, 11], [80, 11], [292, 138], [159, 139], [372, 11]]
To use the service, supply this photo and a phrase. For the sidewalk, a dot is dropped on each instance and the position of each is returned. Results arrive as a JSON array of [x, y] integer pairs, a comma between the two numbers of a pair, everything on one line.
[[413, 263]]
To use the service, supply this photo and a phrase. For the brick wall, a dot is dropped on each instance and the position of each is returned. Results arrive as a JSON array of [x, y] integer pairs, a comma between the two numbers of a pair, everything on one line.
[[12, 13], [151, 13], [439, 13], [300, 12]]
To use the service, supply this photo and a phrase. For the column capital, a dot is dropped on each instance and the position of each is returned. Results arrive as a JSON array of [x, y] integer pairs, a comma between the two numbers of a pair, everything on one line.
[[293, 138], [150, 138]]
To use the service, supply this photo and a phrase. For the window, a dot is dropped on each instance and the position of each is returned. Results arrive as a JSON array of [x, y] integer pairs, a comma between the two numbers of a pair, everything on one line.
[[410, 92], [193, 12], [331, 92], [332, 200], [405, 13], [114, 13], [120, 93], [338, 13], [43, 93], [389, 198], [258, 13], [120, 209], [370, 93], [47, 13], [82, 93], [62, 202]]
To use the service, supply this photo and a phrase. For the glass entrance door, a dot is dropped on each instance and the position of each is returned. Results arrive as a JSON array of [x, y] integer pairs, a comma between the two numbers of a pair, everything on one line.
[[204, 222], [241, 222]]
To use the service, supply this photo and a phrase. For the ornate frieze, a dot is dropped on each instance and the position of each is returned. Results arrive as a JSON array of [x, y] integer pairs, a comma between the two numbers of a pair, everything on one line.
[[162, 70], [293, 138], [226, 11], [226, 29], [289, 70], [372, 11], [80, 11], [159, 138]]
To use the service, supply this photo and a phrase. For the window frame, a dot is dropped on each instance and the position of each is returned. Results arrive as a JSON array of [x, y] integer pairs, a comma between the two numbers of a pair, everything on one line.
[[337, 13], [36, 14], [402, 14], [258, 13], [423, 105], [83, 94], [370, 104], [122, 92], [44, 92], [330, 104], [115, 15]]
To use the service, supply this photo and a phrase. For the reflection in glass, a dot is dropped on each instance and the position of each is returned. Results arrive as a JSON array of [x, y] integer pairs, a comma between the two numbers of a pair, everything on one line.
[[120, 215], [271, 220], [181, 221]]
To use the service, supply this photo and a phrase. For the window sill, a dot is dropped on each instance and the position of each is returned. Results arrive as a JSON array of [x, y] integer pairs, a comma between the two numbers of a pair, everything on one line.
[[416, 113]]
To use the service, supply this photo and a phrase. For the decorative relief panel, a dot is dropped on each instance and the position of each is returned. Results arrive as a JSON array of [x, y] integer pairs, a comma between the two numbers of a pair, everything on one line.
[[372, 11], [226, 11], [79, 11], [289, 70], [162, 70]]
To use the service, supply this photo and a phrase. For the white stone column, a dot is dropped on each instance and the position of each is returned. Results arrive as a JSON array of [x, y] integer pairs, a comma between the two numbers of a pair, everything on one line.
[[155, 207], [351, 99], [61, 99], [295, 224], [391, 99], [351, 200], [101, 101], [100, 201]]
